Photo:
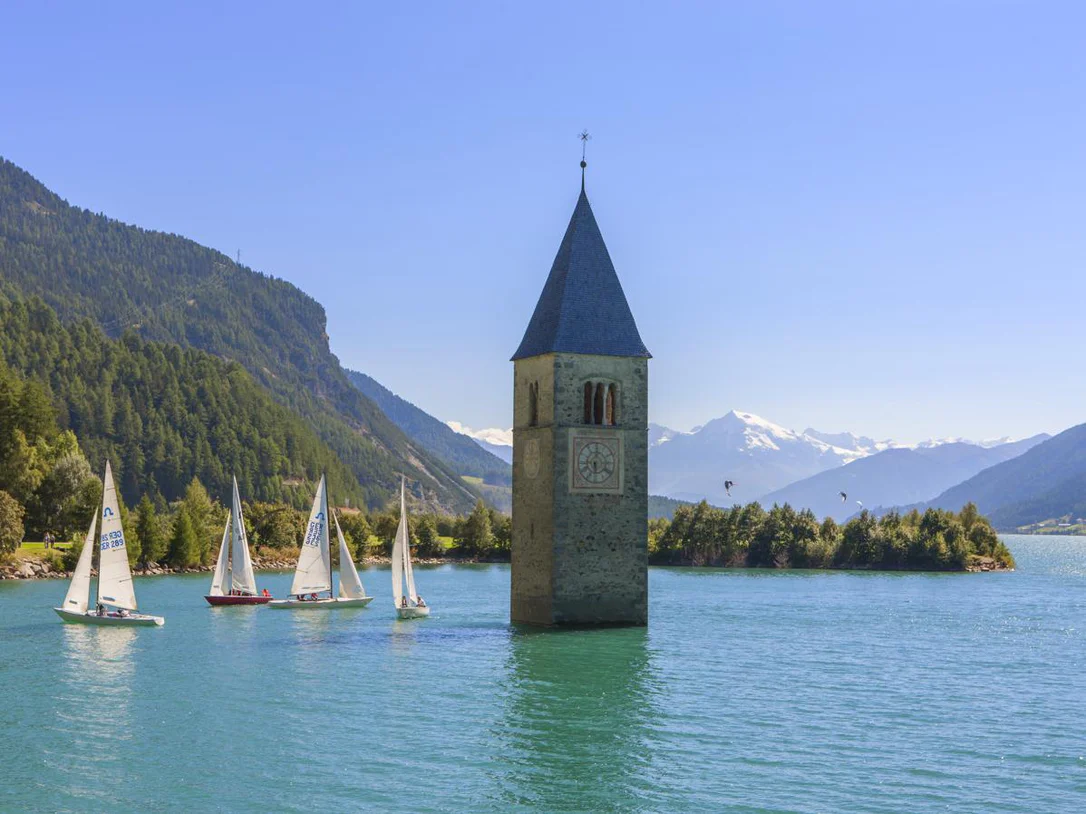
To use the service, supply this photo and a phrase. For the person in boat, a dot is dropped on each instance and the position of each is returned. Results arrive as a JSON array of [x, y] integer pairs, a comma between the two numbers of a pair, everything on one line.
[[265, 592], [122, 613], [100, 609], [420, 603], [403, 602]]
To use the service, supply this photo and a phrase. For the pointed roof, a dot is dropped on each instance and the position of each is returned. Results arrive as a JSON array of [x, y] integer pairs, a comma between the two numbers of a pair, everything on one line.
[[582, 308]]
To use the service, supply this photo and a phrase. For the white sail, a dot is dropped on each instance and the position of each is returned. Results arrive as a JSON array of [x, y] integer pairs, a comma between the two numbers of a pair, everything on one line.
[[114, 575], [220, 582], [78, 597], [397, 553], [409, 572], [314, 571], [350, 585], [243, 579]]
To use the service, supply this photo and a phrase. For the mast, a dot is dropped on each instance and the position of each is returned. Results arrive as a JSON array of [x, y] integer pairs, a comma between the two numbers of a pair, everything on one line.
[[98, 581], [327, 525]]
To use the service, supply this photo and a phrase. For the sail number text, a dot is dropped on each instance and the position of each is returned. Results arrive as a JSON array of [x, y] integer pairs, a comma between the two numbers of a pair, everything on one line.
[[112, 539], [313, 534]]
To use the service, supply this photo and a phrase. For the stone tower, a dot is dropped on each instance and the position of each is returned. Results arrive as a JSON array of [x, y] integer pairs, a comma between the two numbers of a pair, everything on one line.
[[580, 445]]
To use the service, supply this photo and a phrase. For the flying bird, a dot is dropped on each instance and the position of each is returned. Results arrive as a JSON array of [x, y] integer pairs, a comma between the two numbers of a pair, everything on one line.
[[844, 497], [728, 484], [860, 503]]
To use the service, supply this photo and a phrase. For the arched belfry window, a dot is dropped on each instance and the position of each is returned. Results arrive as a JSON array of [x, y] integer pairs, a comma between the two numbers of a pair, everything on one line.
[[610, 411], [533, 404], [588, 402], [597, 405]]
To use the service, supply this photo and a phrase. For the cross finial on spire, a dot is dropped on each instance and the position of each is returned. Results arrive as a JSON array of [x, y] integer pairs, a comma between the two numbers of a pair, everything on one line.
[[584, 146]]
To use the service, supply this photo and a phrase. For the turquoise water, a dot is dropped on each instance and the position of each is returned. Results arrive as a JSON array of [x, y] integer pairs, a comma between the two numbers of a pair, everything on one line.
[[749, 692]]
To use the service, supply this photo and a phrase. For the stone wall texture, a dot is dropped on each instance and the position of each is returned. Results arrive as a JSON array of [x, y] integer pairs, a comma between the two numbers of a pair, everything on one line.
[[578, 558]]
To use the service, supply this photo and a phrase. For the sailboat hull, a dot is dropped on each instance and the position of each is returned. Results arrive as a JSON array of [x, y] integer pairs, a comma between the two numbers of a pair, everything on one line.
[[319, 604], [110, 619], [412, 613], [238, 600]]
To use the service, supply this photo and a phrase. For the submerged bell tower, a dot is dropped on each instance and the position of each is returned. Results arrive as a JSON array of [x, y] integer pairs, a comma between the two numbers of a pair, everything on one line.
[[580, 445]]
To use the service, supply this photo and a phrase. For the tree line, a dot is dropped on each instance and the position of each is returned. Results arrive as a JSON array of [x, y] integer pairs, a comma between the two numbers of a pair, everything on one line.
[[783, 537], [187, 533]]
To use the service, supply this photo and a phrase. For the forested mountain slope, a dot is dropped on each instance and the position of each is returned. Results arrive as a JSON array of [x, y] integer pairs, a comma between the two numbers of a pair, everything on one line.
[[171, 289], [163, 414], [464, 454]]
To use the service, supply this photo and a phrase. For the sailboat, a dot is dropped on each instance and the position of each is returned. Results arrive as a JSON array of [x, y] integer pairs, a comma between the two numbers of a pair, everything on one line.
[[234, 582], [313, 575], [408, 605], [116, 595]]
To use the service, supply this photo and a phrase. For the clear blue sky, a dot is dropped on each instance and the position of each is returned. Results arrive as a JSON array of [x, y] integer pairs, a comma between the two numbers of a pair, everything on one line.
[[863, 216]]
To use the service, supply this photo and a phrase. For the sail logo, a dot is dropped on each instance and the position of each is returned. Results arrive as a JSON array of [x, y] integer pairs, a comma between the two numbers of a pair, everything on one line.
[[107, 512]]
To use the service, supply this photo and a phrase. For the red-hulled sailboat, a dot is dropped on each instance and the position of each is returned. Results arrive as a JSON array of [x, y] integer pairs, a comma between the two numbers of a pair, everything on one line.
[[234, 582]]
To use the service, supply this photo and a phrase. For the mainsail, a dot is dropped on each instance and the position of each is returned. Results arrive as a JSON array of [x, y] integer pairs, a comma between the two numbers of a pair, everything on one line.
[[220, 582], [314, 571], [401, 559], [243, 580], [114, 575], [350, 585], [78, 597]]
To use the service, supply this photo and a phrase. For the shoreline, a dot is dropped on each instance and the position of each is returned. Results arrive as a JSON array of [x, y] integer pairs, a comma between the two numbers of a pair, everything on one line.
[[30, 568]]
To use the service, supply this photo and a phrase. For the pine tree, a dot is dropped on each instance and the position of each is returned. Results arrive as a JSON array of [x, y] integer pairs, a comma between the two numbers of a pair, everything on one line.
[[204, 519], [149, 530], [477, 536], [11, 523], [426, 538], [184, 549]]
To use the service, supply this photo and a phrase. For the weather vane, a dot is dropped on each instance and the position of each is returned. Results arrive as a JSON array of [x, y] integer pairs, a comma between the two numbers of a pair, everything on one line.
[[584, 145]]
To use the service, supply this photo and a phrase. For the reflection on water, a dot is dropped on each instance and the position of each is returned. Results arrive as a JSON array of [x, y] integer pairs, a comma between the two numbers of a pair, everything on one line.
[[579, 714], [232, 622], [93, 710]]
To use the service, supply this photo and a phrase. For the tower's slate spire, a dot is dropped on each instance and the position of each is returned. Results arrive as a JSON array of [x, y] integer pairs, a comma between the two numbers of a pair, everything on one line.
[[582, 308]]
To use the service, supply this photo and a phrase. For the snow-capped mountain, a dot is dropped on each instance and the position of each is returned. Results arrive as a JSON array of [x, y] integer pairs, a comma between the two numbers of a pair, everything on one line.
[[659, 434], [494, 440], [859, 445], [758, 455]]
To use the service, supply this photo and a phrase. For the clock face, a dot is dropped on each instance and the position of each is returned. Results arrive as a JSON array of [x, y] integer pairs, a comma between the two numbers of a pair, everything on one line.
[[531, 458], [596, 462]]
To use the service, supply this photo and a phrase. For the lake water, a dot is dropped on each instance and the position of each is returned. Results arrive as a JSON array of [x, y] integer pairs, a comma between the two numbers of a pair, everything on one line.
[[749, 692]]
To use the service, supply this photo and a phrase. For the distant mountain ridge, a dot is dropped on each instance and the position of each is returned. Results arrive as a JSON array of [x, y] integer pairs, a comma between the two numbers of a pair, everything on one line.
[[1046, 481], [894, 476], [461, 452], [495, 441], [765, 460], [171, 289]]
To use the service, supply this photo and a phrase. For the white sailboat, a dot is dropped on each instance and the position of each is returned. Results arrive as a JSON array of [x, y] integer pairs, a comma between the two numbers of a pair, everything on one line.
[[116, 598], [409, 605], [234, 582], [313, 574]]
